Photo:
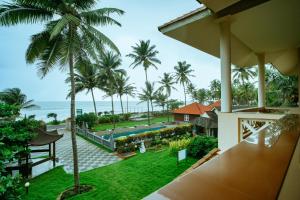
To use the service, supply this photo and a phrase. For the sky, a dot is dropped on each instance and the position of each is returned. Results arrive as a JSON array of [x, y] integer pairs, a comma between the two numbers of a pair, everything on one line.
[[140, 22]]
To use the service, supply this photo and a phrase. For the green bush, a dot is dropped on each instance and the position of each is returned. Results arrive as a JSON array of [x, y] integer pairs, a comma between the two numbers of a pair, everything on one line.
[[126, 116], [89, 118], [178, 145], [201, 145], [127, 149], [165, 133]]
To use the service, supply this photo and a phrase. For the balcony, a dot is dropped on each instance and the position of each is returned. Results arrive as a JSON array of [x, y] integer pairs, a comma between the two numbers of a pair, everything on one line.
[[265, 165]]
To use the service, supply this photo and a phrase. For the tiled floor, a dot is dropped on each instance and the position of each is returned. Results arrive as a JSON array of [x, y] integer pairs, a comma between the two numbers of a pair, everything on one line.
[[89, 155]]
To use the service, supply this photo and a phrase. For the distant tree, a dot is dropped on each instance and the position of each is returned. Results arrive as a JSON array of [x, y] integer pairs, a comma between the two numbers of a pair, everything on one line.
[[123, 87], [201, 95], [147, 95], [191, 89], [52, 115], [215, 90], [174, 104], [183, 72], [161, 99], [108, 66], [14, 97], [86, 78], [130, 90], [144, 54], [243, 74]]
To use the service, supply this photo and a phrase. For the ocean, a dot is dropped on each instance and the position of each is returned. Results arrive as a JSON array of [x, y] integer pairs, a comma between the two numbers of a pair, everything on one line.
[[62, 108]]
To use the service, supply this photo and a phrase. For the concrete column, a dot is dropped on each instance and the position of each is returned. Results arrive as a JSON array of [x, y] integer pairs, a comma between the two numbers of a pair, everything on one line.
[[225, 56], [261, 80]]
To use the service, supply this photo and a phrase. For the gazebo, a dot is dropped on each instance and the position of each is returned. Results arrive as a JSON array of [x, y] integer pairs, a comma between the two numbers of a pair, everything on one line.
[[43, 138]]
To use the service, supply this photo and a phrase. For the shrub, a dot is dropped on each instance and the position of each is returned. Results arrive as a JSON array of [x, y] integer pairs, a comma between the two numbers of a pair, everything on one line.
[[201, 145], [144, 116], [178, 145], [109, 119], [164, 134], [126, 116], [89, 118], [127, 149]]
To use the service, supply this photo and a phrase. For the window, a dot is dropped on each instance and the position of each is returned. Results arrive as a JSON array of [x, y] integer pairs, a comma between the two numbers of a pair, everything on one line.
[[186, 118]]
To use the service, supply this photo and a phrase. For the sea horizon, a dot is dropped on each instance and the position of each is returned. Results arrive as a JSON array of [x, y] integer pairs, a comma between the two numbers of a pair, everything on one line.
[[62, 108]]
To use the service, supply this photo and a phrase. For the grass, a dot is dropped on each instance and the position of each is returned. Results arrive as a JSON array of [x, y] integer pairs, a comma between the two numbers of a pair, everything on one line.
[[132, 179], [106, 126]]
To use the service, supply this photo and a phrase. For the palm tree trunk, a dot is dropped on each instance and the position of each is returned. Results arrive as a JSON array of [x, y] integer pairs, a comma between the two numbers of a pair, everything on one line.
[[184, 93], [113, 111], [94, 102], [151, 106], [121, 104], [73, 129], [148, 112], [127, 103]]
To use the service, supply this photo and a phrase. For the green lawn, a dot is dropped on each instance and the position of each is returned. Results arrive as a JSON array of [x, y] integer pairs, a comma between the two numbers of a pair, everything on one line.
[[102, 127], [130, 179]]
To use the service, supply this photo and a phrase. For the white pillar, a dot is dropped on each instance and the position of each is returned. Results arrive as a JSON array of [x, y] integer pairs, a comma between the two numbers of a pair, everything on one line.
[[261, 80], [225, 56]]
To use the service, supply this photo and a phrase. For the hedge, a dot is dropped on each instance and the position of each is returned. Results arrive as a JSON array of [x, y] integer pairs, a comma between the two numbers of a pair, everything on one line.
[[165, 133]]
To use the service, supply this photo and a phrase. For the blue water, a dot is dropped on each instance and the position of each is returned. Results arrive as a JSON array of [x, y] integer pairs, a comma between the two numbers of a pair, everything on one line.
[[136, 132], [62, 108]]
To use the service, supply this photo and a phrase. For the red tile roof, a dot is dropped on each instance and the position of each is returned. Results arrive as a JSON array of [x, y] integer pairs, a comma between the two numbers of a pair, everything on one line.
[[193, 109], [197, 108]]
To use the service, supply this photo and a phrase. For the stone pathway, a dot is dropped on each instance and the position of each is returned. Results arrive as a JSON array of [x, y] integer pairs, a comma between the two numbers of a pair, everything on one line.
[[89, 155]]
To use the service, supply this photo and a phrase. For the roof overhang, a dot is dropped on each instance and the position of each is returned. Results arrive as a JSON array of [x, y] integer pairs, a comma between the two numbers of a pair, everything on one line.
[[271, 27]]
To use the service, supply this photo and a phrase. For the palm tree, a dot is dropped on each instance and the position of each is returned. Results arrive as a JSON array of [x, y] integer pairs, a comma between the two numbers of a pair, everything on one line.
[[201, 95], [69, 35], [182, 74], [147, 95], [191, 89], [144, 54], [243, 73], [123, 87], [108, 66], [215, 89], [129, 91], [160, 99], [86, 78], [167, 82], [14, 96]]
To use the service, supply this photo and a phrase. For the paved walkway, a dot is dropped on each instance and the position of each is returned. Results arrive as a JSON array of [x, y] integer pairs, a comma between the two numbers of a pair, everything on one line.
[[89, 155]]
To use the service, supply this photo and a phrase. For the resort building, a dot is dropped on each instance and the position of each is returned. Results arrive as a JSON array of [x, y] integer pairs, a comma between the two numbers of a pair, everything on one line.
[[260, 147], [204, 117]]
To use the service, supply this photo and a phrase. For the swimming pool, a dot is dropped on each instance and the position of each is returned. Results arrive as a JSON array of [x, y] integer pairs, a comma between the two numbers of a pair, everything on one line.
[[134, 132]]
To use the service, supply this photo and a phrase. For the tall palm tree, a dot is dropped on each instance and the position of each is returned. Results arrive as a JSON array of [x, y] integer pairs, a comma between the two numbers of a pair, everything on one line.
[[68, 35], [108, 66], [191, 88], [183, 72], [160, 99], [129, 91], [243, 74], [86, 78], [166, 85], [15, 97], [147, 95], [144, 54], [122, 87]]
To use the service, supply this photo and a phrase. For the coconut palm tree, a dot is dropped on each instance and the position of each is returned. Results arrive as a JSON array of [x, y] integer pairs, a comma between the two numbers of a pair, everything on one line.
[[86, 78], [144, 54], [183, 72], [108, 67], [129, 91], [243, 74], [160, 99], [123, 87], [201, 95], [215, 89], [147, 95], [15, 97], [69, 34], [166, 85]]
